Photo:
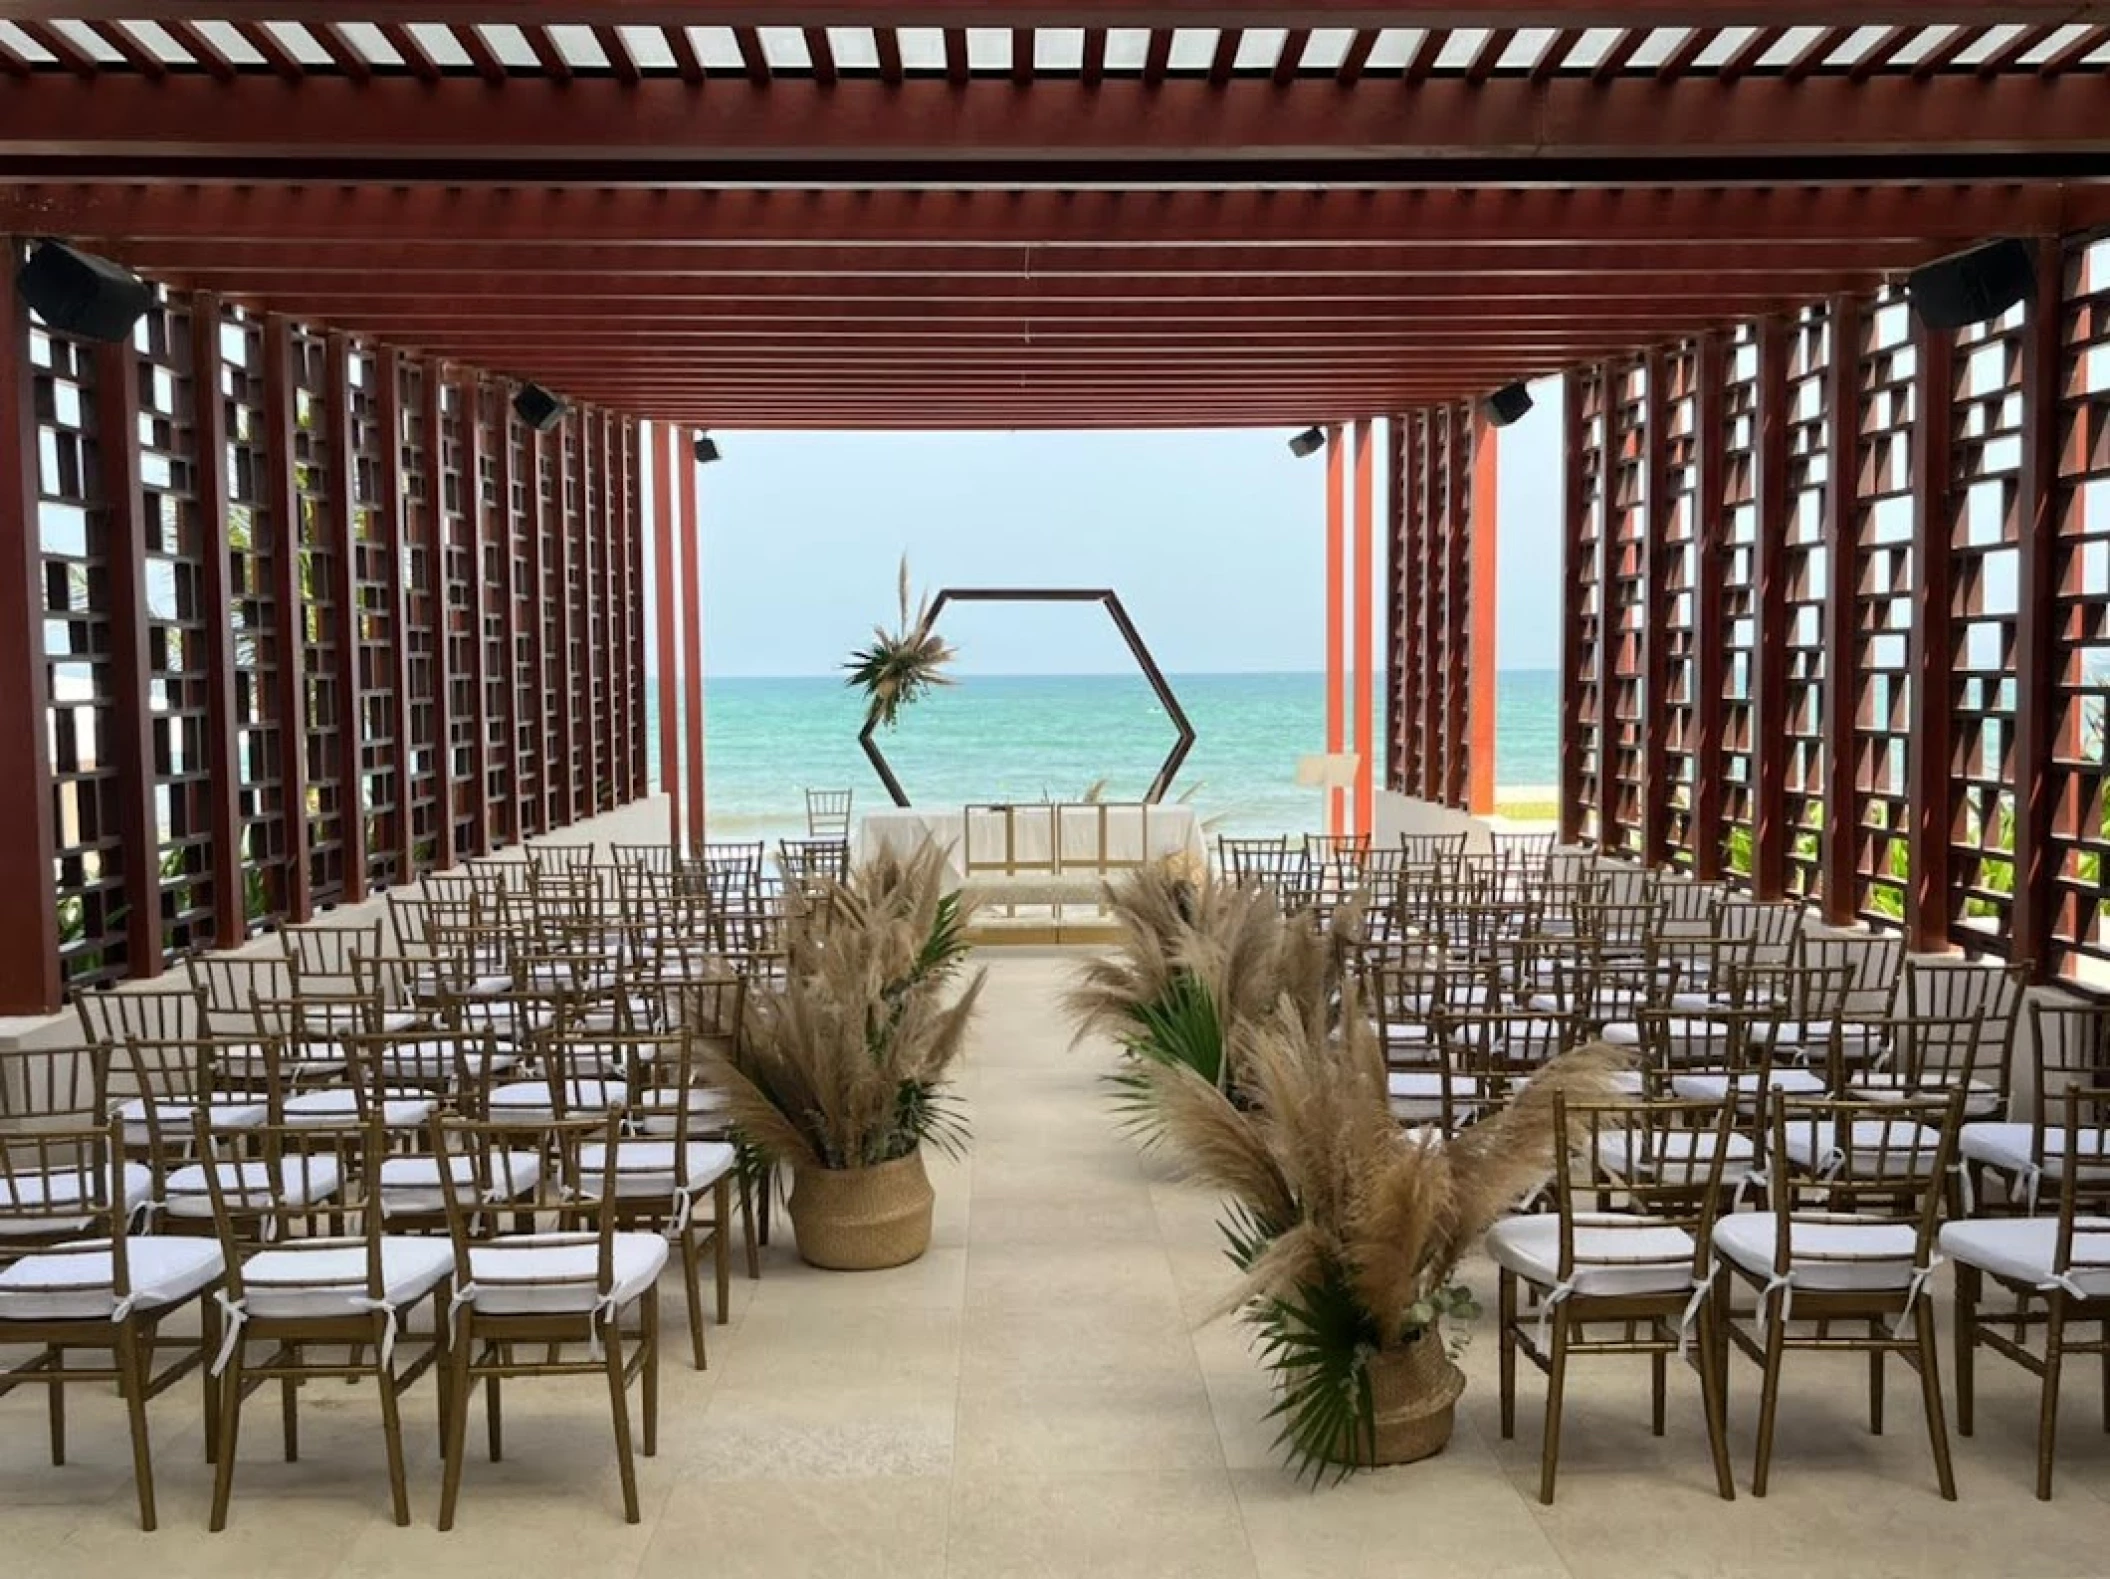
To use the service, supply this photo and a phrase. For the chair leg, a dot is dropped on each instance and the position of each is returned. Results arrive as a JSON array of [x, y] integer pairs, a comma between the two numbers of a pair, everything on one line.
[[289, 1406], [1875, 1378], [463, 1345], [1930, 1389], [722, 1246], [494, 1412], [132, 1376], [1658, 1388], [392, 1434], [2048, 1404], [1556, 1382], [747, 1228], [648, 1382], [212, 1326], [1506, 1324], [619, 1410], [230, 1431], [1710, 1336], [1966, 1336], [55, 1361], [1769, 1387], [692, 1286]]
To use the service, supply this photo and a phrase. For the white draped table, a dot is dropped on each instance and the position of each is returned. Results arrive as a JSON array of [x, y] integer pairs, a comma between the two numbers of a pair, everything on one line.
[[1132, 833]]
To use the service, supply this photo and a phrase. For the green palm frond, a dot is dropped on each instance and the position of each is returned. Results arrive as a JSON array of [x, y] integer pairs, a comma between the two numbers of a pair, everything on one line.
[[901, 665]]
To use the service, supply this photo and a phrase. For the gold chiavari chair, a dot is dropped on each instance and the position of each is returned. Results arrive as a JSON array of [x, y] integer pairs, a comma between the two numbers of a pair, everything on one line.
[[2056, 1268], [1431, 849], [1768, 1006], [300, 1284], [642, 857], [567, 1282], [546, 858], [811, 864], [1642, 1270], [2069, 1046], [320, 954], [1774, 927], [1853, 1034], [828, 813], [228, 986], [1529, 850], [1859, 1266], [109, 1016], [155, 1087], [75, 1276]]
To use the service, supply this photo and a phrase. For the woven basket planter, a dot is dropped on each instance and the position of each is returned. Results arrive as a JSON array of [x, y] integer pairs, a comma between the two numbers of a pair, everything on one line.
[[862, 1219], [1414, 1389]]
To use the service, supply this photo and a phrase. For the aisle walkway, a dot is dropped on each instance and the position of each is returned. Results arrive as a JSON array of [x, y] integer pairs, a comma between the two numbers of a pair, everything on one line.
[[1033, 1399]]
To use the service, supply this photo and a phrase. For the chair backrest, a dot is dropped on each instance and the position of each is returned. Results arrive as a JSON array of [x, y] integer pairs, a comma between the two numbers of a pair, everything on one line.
[[1992, 994], [64, 1192], [1526, 848], [1614, 926], [1497, 1052], [1431, 849], [2083, 1131], [1647, 1155], [1688, 909], [814, 862], [109, 1015], [1887, 1159], [1873, 960], [2069, 1044], [547, 858], [60, 1086], [228, 986], [748, 855], [1931, 1052], [642, 857], [710, 1008], [457, 1066], [464, 887], [1102, 836], [1773, 927], [828, 813], [322, 954], [1736, 1042], [293, 1187], [1007, 840], [1805, 994], [563, 1191]]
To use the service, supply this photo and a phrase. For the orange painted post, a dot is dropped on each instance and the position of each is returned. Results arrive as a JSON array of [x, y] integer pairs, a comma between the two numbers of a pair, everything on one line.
[[1336, 554], [668, 651], [1364, 591], [1481, 640], [692, 629]]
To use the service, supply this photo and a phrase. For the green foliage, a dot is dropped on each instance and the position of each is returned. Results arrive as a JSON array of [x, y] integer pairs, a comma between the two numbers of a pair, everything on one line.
[[1181, 1026]]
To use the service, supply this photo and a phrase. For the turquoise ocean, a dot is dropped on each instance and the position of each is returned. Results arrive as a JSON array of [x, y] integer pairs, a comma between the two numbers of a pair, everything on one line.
[[1025, 737]]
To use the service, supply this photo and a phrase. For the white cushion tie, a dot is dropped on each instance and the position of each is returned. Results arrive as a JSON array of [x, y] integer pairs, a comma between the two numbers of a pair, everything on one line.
[[235, 1314], [1913, 1290], [1785, 1282], [1558, 1294], [1701, 1286], [390, 1327], [463, 1297]]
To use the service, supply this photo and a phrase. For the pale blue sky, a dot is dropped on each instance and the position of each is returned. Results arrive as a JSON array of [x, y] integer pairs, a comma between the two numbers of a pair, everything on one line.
[[1214, 540]]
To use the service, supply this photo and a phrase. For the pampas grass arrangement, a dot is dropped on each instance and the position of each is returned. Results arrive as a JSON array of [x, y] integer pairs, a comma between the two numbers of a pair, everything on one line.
[[903, 664], [1346, 1229], [848, 1063]]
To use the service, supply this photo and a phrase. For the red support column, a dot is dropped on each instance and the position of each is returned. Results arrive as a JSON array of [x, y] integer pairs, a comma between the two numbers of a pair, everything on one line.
[[1395, 602], [1842, 580], [1573, 507], [389, 393], [692, 613], [1710, 440], [1458, 613], [1486, 518], [477, 530], [619, 595], [667, 647], [1360, 626], [443, 616], [1930, 763], [131, 668], [230, 921], [1611, 727], [1436, 486], [2037, 523], [1655, 612], [640, 767], [538, 639], [344, 595], [611, 627], [1769, 596], [29, 921], [564, 755], [288, 607], [1413, 662], [508, 722], [1336, 594]]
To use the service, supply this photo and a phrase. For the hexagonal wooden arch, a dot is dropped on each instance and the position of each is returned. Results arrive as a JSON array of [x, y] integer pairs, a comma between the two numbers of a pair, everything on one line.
[[1111, 602]]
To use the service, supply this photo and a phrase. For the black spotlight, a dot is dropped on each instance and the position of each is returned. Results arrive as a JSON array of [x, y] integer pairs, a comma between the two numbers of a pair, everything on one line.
[[538, 408], [1309, 442], [1505, 405], [706, 449], [78, 293], [1953, 293]]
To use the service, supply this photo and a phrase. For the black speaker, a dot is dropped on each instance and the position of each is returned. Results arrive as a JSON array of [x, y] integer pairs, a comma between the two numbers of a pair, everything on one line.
[[1505, 405], [77, 293], [705, 449], [1954, 293], [538, 408]]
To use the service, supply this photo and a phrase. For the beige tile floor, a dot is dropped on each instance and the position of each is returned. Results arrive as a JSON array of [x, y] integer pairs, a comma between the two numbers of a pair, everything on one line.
[[1034, 1398]]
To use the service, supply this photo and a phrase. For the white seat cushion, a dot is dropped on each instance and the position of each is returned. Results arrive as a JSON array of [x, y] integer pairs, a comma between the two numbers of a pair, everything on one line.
[[648, 1167], [654, 1111], [2025, 1250], [410, 1186], [1879, 1146], [528, 1101], [1855, 1039], [332, 1281], [437, 1060], [62, 1188], [1882, 1085], [1417, 1094], [1854, 1255], [174, 1118], [302, 1182], [1653, 1258], [1686, 1036], [340, 1105], [1699, 1085], [2007, 1146], [1680, 1156], [53, 1287], [524, 1274]]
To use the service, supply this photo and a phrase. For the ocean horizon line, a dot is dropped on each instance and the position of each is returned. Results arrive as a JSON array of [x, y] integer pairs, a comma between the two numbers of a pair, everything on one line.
[[1090, 674]]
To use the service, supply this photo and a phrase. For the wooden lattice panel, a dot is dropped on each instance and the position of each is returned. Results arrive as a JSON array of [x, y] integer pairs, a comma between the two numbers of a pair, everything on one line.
[[1805, 565], [422, 612], [1625, 601], [1586, 570], [526, 672], [1985, 561], [495, 573], [2078, 935], [1678, 568], [322, 621], [458, 625], [1739, 605], [553, 615], [374, 626]]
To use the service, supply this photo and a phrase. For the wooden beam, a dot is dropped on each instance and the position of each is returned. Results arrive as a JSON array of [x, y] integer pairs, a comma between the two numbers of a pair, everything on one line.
[[692, 599], [1336, 582], [1839, 844], [1769, 593]]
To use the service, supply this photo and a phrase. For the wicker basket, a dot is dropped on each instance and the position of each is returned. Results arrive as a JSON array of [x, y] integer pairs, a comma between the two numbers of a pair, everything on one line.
[[862, 1219], [1415, 1392]]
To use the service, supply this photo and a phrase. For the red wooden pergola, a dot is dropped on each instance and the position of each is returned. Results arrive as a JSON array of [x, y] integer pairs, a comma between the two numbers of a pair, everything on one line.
[[1101, 213]]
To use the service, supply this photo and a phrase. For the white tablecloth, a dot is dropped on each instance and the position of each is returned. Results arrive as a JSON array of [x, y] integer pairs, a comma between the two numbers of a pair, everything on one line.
[[1130, 833]]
